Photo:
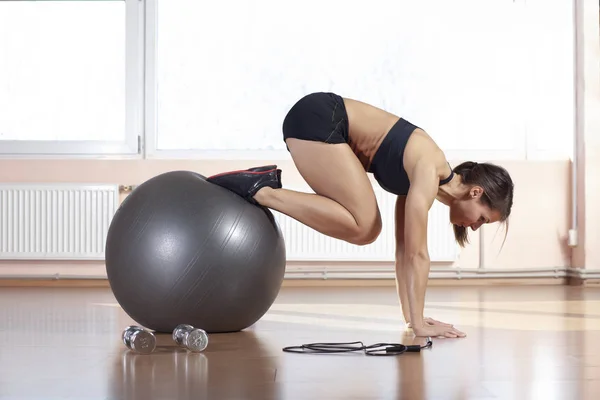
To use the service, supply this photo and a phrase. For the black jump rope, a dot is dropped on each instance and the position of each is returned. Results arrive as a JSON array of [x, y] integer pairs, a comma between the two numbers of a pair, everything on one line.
[[378, 349]]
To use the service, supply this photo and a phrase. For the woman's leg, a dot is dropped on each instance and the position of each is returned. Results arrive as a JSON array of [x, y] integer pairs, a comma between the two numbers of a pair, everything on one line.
[[344, 204]]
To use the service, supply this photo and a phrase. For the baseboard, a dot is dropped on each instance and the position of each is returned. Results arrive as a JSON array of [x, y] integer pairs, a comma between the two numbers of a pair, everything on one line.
[[361, 277], [97, 283], [444, 277], [55, 283], [583, 277], [440, 282]]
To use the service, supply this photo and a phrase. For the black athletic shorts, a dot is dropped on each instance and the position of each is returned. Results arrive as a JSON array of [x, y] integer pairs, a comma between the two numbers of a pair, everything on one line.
[[318, 117], [322, 117]]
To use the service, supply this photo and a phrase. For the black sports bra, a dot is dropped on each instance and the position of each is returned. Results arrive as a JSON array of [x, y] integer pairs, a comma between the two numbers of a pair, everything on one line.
[[387, 165]]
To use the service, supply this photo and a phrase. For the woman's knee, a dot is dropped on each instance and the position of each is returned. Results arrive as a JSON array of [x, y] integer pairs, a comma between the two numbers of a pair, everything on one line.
[[367, 233]]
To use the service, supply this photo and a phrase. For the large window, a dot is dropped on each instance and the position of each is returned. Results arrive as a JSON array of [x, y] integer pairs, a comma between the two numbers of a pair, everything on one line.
[[487, 79], [68, 77]]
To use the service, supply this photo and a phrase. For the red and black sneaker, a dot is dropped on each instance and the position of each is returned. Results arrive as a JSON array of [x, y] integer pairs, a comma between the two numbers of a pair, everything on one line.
[[247, 182], [262, 168]]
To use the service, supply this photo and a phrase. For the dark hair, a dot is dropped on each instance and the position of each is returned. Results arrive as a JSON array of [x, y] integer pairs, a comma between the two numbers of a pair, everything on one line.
[[497, 191]]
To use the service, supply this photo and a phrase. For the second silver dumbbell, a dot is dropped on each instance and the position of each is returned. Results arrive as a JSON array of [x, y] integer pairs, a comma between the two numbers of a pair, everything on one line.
[[139, 339], [193, 339]]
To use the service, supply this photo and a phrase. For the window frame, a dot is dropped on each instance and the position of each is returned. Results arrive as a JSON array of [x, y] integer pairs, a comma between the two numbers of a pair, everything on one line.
[[151, 150], [131, 146]]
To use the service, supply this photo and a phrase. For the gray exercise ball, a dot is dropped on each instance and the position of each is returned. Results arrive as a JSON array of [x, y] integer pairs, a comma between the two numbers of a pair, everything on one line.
[[181, 250]]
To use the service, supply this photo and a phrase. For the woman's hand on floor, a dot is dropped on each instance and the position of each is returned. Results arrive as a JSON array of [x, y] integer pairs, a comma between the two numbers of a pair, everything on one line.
[[435, 328], [438, 331], [430, 322]]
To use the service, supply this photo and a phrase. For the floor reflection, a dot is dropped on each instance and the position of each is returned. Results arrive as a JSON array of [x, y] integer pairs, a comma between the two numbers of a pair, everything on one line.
[[543, 343], [233, 366]]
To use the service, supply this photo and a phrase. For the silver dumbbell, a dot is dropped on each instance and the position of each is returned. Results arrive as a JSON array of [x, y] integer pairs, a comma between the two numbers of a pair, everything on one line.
[[194, 339], [139, 340]]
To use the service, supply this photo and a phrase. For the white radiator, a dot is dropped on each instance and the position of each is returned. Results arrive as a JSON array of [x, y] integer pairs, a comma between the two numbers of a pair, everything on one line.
[[55, 221], [71, 221], [306, 244]]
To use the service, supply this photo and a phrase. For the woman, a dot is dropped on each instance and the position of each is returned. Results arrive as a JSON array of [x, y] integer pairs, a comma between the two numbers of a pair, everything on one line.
[[334, 143]]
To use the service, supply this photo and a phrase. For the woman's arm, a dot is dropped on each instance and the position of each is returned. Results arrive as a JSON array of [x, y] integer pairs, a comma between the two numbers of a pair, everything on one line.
[[413, 271], [415, 266], [399, 236], [412, 254], [400, 283]]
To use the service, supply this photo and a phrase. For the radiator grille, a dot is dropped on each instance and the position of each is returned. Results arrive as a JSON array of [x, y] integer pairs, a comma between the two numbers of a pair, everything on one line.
[[306, 244], [71, 221], [58, 221]]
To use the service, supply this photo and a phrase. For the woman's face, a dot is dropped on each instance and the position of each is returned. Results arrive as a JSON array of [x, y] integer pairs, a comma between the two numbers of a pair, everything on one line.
[[471, 212]]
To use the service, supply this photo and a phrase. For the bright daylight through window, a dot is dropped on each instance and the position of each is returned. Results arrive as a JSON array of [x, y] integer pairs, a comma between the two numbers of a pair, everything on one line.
[[62, 75]]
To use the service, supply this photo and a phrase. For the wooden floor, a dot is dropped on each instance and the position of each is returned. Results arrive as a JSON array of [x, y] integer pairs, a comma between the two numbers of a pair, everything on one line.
[[522, 343]]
